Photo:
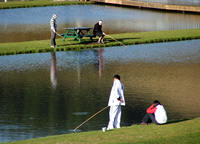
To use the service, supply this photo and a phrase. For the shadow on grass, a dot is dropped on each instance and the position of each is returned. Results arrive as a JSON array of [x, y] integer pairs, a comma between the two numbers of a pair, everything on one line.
[[94, 41], [176, 121]]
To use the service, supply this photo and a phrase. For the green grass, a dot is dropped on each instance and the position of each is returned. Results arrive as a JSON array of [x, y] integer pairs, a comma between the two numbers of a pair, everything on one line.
[[37, 3], [125, 38], [185, 132]]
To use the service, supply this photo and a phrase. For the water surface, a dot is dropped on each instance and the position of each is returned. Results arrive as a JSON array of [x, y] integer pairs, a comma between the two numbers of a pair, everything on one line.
[[52, 93], [24, 24], [174, 2]]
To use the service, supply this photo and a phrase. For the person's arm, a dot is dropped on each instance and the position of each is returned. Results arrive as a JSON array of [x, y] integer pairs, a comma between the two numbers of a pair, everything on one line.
[[120, 92], [52, 25], [151, 109]]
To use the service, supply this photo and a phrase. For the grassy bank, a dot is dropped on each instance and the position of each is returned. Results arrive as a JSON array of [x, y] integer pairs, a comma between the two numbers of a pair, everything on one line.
[[37, 3], [125, 38], [185, 132]]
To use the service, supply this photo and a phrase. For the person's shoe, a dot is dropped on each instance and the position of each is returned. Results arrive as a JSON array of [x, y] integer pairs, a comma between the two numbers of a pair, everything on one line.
[[109, 128], [52, 46], [143, 123], [102, 42]]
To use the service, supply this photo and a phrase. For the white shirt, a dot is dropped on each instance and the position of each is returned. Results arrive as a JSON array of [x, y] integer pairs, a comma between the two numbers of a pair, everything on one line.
[[116, 92], [160, 114], [53, 24]]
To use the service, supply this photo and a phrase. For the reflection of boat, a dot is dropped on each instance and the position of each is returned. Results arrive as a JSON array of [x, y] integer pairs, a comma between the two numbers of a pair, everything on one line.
[[53, 70]]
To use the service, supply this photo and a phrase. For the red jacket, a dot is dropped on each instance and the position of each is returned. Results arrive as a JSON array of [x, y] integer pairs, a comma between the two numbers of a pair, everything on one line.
[[151, 109]]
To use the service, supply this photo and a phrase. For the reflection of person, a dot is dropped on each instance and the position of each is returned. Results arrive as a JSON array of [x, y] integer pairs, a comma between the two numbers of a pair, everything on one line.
[[98, 61], [53, 30], [115, 101], [97, 31], [155, 113], [53, 70]]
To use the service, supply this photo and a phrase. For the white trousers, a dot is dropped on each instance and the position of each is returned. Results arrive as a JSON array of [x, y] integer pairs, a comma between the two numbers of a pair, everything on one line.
[[114, 117]]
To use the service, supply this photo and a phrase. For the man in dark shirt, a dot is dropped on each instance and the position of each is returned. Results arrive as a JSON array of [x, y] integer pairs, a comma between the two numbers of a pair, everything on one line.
[[97, 31]]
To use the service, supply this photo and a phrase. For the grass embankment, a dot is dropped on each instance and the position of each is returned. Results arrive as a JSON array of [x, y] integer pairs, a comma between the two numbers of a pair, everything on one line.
[[185, 132], [125, 38], [37, 3]]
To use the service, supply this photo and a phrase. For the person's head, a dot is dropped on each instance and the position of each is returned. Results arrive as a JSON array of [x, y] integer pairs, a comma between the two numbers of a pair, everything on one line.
[[100, 22], [156, 102], [116, 77], [54, 16]]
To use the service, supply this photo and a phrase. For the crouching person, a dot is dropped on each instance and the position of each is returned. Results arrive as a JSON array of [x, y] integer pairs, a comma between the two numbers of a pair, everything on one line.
[[97, 31], [155, 114]]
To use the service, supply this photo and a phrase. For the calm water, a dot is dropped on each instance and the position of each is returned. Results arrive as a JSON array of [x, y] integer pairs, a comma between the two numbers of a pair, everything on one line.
[[33, 23], [176, 2], [51, 93]]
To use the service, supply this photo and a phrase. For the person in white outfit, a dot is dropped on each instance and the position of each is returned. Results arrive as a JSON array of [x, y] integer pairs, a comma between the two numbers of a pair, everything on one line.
[[116, 100]]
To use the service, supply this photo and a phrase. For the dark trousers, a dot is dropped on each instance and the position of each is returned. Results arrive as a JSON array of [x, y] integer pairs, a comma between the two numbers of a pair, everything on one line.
[[149, 118], [53, 38]]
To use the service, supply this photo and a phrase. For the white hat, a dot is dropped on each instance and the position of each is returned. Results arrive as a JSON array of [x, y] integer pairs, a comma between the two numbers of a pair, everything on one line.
[[54, 16]]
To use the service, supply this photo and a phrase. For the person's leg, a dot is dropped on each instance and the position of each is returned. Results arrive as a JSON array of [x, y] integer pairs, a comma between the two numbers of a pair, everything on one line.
[[145, 119], [112, 114], [148, 118], [53, 37], [117, 118], [152, 117], [102, 38], [99, 40]]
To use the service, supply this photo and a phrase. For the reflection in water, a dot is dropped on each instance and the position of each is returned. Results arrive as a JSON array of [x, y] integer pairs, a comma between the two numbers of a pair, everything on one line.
[[53, 76], [34, 24], [30, 108], [174, 2], [99, 62]]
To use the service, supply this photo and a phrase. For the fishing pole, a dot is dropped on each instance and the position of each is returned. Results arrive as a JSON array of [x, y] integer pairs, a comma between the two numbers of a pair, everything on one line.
[[115, 39], [90, 118], [59, 34]]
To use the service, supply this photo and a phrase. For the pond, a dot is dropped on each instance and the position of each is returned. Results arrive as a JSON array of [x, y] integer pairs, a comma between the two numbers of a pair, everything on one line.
[[52, 93], [174, 2], [24, 24]]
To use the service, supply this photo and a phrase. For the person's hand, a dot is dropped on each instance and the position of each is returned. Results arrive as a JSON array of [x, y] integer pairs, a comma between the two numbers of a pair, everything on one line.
[[104, 33], [120, 99]]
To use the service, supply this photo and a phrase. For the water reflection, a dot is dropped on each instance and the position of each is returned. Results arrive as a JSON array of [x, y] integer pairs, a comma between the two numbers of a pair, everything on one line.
[[31, 107], [53, 76], [174, 2], [99, 60], [34, 23]]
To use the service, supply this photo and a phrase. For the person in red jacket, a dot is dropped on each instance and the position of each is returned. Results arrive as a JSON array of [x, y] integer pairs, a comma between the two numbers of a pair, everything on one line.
[[155, 113]]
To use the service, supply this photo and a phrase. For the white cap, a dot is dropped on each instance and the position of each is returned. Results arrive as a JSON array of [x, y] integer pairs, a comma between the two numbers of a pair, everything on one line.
[[54, 16], [100, 22]]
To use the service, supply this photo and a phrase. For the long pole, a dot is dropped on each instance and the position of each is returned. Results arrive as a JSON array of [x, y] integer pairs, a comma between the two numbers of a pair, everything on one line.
[[58, 34], [115, 39], [90, 118]]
